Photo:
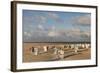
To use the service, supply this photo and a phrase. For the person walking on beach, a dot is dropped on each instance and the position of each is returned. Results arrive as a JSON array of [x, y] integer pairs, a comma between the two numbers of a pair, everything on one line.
[[55, 50], [76, 50], [36, 51], [61, 54]]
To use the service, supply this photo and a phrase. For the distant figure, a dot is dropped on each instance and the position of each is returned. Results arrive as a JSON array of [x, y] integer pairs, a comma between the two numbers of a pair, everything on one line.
[[61, 54], [36, 51], [76, 50], [55, 50], [83, 46], [87, 46], [69, 46], [32, 49], [45, 48], [72, 46], [65, 46]]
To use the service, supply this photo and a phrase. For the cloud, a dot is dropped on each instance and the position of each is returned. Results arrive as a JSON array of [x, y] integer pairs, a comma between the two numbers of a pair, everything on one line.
[[38, 30], [40, 27], [55, 17], [52, 15], [74, 31], [34, 20], [84, 20], [64, 35], [39, 19], [27, 34], [53, 33], [77, 32], [87, 34], [33, 23]]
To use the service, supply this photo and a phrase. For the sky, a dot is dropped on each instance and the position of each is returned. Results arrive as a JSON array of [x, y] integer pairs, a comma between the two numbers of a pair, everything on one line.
[[55, 26]]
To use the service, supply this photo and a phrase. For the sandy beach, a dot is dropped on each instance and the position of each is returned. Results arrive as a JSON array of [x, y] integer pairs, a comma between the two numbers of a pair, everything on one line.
[[69, 54]]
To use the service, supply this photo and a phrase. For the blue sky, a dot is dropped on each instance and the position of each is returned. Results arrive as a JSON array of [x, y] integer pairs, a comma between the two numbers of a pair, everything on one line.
[[54, 26]]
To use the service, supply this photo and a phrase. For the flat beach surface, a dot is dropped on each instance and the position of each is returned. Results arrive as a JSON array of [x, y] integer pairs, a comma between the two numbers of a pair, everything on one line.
[[28, 56]]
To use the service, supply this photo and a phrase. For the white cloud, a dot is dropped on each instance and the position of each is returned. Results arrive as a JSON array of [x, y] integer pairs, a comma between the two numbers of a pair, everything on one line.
[[53, 34], [27, 34], [42, 19], [40, 27], [88, 34], [82, 20], [39, 19], [74, 34], [53, 15], [70, 33]]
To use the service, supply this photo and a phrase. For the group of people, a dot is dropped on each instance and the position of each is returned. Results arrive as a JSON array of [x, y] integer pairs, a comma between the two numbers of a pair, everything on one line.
[[35, 50], [58, 52]]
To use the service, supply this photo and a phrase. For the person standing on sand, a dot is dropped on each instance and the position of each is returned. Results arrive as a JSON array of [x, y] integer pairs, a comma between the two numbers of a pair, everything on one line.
[[61, 54], [32, 49], [76, 49], [55, 53], [45, 48], [36, 51], [55, 50]]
